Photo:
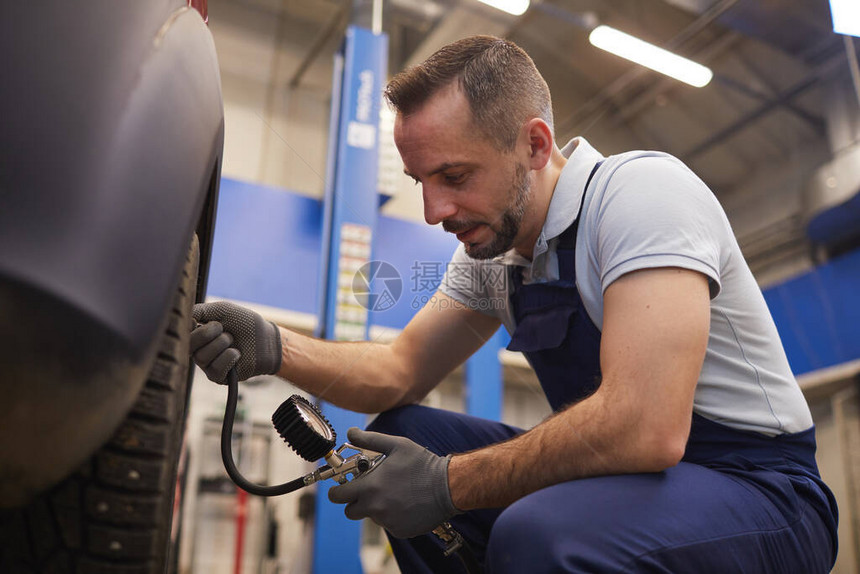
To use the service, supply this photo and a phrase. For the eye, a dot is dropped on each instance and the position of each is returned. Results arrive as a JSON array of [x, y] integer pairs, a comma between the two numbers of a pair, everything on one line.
[[455, 178]]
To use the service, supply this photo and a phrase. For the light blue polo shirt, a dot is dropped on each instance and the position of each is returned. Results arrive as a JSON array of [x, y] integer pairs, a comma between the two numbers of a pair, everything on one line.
[[645, 210]]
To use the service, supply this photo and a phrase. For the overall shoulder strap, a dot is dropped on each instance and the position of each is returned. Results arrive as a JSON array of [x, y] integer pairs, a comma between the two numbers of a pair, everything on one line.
[[567, 240]]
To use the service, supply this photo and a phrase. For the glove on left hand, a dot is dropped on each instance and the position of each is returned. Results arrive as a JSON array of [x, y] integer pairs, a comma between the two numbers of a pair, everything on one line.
[[230, 335], [407, 494]]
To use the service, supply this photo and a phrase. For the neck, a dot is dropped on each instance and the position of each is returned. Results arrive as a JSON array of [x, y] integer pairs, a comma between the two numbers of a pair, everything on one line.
[[543, 186]]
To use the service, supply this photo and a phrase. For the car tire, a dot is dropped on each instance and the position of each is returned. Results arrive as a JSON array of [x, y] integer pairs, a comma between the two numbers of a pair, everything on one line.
[[114, 514]]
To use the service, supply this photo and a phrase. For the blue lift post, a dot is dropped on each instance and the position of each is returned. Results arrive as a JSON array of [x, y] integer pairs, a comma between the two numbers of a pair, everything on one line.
[[350, 212], [484, 379]]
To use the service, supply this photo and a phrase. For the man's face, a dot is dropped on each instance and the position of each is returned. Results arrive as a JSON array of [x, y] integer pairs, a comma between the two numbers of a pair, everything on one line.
[[475, 191]]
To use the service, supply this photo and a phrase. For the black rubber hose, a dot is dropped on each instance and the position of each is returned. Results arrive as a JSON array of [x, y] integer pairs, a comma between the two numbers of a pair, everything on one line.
[[227, 448]]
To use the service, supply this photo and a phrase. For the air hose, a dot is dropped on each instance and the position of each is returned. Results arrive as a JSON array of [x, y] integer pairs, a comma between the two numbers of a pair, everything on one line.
[[227, 448]]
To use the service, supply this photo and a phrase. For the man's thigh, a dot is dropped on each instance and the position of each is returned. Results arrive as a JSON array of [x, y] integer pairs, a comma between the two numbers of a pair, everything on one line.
[[442, 432], [685, 519]]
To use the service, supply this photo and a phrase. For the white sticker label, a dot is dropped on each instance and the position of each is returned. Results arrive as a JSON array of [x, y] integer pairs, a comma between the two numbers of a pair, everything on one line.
[[360, 135]]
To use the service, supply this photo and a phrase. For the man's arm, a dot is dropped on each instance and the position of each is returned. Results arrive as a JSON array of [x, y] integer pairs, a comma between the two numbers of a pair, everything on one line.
[[371, 377], [655, 333]]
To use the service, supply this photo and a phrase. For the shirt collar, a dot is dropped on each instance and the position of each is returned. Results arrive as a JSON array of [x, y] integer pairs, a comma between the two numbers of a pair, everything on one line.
[[565, 201], [567, 196]]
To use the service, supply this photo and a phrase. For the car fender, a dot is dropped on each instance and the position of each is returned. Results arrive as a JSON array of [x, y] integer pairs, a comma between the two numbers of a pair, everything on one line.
[[103, 195], [110, 141]]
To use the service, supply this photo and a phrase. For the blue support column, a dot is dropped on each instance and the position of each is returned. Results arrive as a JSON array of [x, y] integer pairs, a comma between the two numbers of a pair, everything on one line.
[[484, 379], [350, 212]]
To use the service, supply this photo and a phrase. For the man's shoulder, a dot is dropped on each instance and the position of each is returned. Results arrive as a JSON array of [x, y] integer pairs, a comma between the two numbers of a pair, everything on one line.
[[643, 162], [657, 176]]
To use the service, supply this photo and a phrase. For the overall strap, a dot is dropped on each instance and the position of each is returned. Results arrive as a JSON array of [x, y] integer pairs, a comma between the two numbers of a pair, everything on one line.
[[559, 339], [567, 240]]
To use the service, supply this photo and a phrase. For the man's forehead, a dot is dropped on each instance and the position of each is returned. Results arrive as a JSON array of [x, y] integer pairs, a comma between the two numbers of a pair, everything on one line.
[[441, 167], [448, 104], [439, 135]]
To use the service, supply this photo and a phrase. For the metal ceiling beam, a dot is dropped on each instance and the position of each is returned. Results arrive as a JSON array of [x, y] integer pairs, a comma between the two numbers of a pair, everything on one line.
[[814, 121], [336, 25], [748, 119]]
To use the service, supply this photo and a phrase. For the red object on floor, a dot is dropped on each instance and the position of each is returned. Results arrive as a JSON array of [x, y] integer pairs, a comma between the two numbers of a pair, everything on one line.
[[241, 516]]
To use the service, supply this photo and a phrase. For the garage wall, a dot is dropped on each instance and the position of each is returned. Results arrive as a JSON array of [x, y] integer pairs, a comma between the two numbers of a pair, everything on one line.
[[275, 135]]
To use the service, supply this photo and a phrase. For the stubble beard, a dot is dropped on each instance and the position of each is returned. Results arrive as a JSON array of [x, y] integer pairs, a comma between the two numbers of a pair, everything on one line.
[[511, 219]]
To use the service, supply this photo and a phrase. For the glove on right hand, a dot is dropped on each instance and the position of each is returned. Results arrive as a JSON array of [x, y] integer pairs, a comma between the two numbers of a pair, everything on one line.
[[230, 335], [407, 494]]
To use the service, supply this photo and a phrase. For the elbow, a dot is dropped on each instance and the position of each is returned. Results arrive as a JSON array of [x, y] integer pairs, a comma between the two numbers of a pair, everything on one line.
[[397, 391], [393, 386], [671, 454], [657, 438], [381, 399], [407, 387], [660, 451], [408, 396]]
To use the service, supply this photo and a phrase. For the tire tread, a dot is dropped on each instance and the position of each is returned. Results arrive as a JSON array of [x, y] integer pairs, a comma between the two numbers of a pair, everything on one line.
[[109, 516]]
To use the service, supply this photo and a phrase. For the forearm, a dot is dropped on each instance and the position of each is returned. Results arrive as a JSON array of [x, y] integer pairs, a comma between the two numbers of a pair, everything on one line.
[[361, 376], [373, 377], [597, 436]]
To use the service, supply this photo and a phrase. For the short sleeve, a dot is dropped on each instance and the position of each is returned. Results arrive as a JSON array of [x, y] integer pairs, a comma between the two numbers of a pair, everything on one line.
[[655, 212]]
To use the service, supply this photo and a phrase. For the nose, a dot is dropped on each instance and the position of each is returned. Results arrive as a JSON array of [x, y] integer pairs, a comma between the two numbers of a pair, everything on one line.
[[437, 206]]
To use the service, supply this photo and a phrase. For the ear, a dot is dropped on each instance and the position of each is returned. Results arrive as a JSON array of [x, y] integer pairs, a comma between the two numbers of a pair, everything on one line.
[[540, 142]]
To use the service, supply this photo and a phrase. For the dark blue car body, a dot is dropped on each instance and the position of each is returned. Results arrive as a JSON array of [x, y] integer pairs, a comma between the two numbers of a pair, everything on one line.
[[111, 134]]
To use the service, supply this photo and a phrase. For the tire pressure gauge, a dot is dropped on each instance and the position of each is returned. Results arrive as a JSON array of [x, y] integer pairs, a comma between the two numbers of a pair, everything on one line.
[[311, 436], [304, 428]]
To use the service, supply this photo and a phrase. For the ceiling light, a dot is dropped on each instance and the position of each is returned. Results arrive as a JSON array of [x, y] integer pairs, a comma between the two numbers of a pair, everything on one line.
[[846, 16], [515, 7], [650, 56]]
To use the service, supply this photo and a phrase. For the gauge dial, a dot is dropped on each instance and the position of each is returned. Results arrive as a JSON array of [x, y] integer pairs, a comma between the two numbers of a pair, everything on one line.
[[304, 428]]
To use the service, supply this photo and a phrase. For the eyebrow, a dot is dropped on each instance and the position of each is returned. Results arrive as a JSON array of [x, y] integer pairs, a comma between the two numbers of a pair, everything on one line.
[[443, 167]]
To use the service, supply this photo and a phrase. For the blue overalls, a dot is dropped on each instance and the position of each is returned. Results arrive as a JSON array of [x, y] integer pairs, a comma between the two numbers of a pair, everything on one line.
[[739, 502]]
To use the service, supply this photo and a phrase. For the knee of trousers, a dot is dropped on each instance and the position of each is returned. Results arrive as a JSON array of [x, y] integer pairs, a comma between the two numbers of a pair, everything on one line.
[[401, 421], [522, 541]]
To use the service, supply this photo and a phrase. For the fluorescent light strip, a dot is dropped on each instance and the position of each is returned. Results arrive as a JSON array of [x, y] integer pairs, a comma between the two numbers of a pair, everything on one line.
[[515, 7], [846, 16], [650, 56]]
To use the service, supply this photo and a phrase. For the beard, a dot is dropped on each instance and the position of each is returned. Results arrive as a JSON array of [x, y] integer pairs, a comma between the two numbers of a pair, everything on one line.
[[509, 222]]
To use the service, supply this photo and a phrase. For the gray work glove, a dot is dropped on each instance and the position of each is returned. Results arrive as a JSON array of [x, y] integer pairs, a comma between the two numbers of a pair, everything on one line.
[[231, 335], [407, 494]]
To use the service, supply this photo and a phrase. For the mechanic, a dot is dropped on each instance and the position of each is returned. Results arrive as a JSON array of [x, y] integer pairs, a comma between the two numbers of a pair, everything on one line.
[[680, 440]]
